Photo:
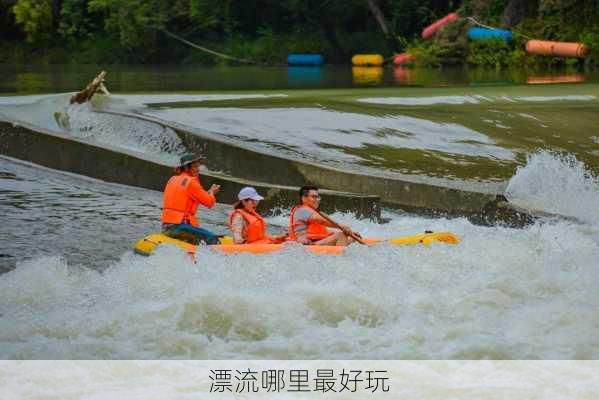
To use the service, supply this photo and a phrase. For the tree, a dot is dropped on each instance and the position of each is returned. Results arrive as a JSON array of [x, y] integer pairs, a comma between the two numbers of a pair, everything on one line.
[[517, 10], [7, 19], [387, 30], [36, 18]]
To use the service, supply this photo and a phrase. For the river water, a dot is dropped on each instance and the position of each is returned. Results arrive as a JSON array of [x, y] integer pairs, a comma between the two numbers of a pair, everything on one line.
[[78, 291], [75, 290]]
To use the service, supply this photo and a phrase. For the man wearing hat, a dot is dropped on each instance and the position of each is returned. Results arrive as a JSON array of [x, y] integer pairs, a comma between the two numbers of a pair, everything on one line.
[[182, 196]]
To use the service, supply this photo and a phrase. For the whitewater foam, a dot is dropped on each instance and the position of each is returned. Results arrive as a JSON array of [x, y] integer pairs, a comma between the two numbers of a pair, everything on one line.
[[419, 101], [474, 300], [556, 98], [152, 140], [325, 133], [149, 99], [556, 183]]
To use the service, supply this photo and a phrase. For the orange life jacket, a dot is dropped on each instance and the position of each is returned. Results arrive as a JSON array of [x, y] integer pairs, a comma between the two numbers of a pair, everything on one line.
[[178, 206], [316, 231], [255, 231]]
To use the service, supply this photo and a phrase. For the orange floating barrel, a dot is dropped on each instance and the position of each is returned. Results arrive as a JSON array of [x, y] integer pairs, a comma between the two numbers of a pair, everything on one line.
[[367, 59], [403, 58], [560, 49], [540, 80], [430, 30]]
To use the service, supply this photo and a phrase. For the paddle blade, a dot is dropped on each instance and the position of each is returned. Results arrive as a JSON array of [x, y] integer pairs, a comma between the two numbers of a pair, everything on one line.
[[427, 238], [446, 237]]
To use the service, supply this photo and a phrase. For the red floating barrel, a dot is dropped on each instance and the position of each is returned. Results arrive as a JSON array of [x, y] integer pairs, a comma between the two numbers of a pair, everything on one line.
[[403, 58], [430, 30], [560, 49]]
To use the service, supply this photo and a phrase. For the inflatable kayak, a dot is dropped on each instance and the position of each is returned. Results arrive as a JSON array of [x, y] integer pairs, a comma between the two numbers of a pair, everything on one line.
[[148, 244]]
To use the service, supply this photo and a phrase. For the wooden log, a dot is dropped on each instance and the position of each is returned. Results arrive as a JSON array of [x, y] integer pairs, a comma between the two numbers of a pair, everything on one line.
[[94, 86]]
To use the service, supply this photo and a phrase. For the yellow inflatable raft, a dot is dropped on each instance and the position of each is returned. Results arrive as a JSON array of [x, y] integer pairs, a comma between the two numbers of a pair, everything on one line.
[[147, 245]]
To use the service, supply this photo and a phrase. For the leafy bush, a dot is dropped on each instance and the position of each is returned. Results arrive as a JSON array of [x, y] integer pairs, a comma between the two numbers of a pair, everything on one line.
[[36, 18], [491, 53], [591, 41], [428, 54]]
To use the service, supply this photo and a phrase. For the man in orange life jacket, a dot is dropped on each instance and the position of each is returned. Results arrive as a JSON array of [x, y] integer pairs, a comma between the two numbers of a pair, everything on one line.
[[307, 226], [182, 196]]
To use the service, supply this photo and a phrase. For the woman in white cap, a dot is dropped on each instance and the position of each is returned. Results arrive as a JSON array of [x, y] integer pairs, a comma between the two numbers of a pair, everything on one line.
[[246, 224]]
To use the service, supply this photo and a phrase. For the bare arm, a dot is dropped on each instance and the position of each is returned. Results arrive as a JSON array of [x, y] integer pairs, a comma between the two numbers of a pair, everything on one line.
[[316, 217], [237, 226]]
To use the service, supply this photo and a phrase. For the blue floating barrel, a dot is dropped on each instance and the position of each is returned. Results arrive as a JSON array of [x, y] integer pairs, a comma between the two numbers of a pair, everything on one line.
[[486, 34], [304, 76], [305, 59]]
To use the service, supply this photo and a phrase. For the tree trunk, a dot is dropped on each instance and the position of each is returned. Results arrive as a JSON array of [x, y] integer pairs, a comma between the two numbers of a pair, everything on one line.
[[322, 16], [56, 7], [380, 18], [331, 35]]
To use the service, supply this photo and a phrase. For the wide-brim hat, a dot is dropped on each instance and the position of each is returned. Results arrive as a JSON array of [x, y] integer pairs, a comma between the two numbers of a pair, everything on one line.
[[188, 158]]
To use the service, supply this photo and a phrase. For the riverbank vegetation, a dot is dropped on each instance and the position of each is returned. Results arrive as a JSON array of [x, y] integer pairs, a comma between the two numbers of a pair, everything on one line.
[[265, 31]]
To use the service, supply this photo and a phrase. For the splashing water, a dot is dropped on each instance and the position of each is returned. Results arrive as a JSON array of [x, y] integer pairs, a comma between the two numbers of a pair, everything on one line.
[[149, 140], [152, 140], [556, 183], [474, 300], [500, 293]]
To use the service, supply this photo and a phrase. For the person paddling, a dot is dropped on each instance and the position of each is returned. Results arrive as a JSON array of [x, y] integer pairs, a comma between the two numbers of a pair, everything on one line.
[[307, 226], [182, 196], [246, 224]]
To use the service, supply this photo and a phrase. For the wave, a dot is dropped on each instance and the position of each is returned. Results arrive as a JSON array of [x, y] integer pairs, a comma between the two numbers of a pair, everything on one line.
[[556, 183]]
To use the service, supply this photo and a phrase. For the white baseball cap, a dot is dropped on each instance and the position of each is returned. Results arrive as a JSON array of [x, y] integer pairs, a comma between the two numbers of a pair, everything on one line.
[[249, 193]]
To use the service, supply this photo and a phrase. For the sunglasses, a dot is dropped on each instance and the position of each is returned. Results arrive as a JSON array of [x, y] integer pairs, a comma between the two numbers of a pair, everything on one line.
[[315, 196]]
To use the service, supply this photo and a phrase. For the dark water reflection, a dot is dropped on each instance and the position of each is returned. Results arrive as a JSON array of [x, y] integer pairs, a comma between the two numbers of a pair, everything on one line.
[[25, 79]]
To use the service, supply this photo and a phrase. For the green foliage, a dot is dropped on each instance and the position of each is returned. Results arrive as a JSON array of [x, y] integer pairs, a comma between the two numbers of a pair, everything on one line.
[[490, 53], [409, 17], [591, 41], [485, 10], [77, 21], [35, 16], [427, 53], [109, 31], [133, 22], [449, 46]]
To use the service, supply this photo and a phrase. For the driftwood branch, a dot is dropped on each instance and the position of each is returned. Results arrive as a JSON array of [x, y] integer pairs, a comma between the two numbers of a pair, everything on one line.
[[94, 86]]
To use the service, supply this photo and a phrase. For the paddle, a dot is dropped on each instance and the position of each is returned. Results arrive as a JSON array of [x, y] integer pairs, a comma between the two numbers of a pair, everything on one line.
[[336, 225], [446, 237]]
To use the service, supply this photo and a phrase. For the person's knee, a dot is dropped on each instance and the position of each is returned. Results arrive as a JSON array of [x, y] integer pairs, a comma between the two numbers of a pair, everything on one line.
[[341, 239], [206, 236]]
